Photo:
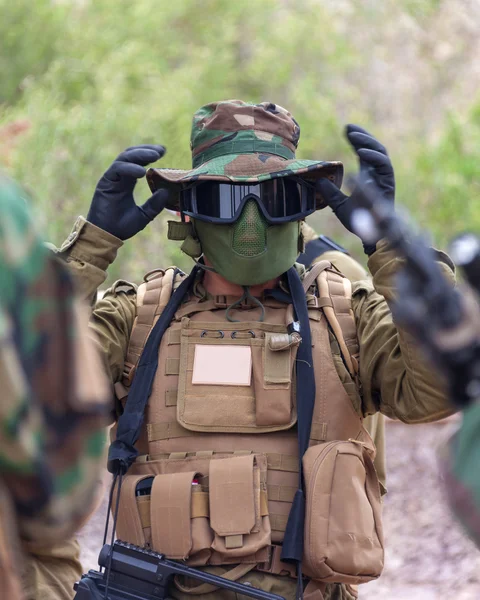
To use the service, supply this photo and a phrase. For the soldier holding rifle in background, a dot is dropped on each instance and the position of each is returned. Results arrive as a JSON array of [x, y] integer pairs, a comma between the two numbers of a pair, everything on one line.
[[446, 323]]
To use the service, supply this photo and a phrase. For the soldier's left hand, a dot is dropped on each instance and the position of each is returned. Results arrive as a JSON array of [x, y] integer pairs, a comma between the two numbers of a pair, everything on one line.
[[113, 207], [375, 163]]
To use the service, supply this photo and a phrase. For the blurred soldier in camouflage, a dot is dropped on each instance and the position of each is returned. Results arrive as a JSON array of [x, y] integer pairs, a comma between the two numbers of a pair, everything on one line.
[[52, 414], [460, 460]]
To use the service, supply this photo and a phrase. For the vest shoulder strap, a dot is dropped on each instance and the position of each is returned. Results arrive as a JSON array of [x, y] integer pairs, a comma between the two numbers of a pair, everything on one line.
[[152, 298], [335, 300]]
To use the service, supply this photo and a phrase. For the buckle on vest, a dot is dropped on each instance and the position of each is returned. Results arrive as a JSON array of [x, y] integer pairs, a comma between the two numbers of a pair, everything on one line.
[[266, 567], [221, 301], [274, 565], [128, 373]]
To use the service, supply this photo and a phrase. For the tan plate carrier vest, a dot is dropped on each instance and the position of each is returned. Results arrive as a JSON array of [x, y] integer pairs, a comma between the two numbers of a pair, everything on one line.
[[220, 436]]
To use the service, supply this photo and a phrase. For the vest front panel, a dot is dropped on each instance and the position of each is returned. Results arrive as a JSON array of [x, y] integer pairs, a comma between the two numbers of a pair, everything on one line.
[[334, 416]]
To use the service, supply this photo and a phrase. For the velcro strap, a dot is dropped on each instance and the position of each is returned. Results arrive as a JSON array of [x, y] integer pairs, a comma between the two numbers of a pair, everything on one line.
[[177, 455], [171, 397], [281, 493], [322, 302], [318, 433], [172, 366], [278, 522], [282, 462], [143, 505], [179, 230], [170, 513], [232, 501], [204, 454], [200, 507], [167, 431]]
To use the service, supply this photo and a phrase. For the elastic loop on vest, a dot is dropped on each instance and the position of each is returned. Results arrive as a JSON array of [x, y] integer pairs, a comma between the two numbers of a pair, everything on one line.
[[235, 333], [205, 333]]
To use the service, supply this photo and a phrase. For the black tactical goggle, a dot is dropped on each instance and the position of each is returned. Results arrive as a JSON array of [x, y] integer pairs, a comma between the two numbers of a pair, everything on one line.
[[280, 200]]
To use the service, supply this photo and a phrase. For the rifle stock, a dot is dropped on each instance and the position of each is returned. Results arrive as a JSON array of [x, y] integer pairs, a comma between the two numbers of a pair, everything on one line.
[[141, 574]]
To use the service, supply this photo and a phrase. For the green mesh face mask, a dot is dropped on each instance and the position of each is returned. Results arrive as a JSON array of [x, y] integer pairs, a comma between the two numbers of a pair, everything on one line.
[[249, 251]]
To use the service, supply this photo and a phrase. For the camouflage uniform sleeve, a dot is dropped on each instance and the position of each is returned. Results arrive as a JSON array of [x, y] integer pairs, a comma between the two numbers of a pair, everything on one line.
[[459, 459], [54, 396], [396, 378], [89, 251]]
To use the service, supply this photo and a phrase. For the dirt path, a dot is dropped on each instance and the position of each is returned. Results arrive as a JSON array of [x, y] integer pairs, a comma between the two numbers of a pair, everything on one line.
[[428, 557]]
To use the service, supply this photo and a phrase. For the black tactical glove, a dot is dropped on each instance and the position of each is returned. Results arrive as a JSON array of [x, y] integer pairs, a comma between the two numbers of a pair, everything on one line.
[[113, 207], [374, 163]]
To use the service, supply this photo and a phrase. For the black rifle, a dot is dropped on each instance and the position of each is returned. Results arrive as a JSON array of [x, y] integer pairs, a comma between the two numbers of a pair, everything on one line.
[[465, 251], [141, 574], [445, 321]]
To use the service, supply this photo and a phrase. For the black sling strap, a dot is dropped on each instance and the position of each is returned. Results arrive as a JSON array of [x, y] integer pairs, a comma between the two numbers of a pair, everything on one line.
[[292, 549], [122, 452]]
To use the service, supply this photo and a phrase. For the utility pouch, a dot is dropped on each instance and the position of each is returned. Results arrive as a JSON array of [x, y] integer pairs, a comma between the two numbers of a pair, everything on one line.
[[235, 380], [343, 527], [238, 508], [273, 379], [133, 522], [179, 516], [172, 519], [202, 509]]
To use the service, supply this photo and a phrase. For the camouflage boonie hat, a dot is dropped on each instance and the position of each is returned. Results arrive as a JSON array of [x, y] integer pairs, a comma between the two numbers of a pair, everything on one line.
[[240, 142]]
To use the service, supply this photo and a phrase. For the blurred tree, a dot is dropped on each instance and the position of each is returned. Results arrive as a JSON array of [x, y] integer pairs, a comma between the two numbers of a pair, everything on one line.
[[29, 43]]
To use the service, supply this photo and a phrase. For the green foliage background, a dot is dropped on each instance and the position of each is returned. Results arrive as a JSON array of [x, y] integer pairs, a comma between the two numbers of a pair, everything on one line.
[[93, 77]]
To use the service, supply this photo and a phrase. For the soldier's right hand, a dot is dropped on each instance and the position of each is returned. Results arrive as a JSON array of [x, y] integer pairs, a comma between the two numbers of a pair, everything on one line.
[[113, 207], [375, 164]]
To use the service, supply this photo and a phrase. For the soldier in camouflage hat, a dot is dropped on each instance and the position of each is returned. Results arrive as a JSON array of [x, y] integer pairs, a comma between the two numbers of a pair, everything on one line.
[[218, 421], [52, 414], [238, 142]]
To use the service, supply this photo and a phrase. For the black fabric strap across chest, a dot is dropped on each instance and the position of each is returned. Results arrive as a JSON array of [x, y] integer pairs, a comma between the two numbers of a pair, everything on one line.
[[122, 452], [292, 549]]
